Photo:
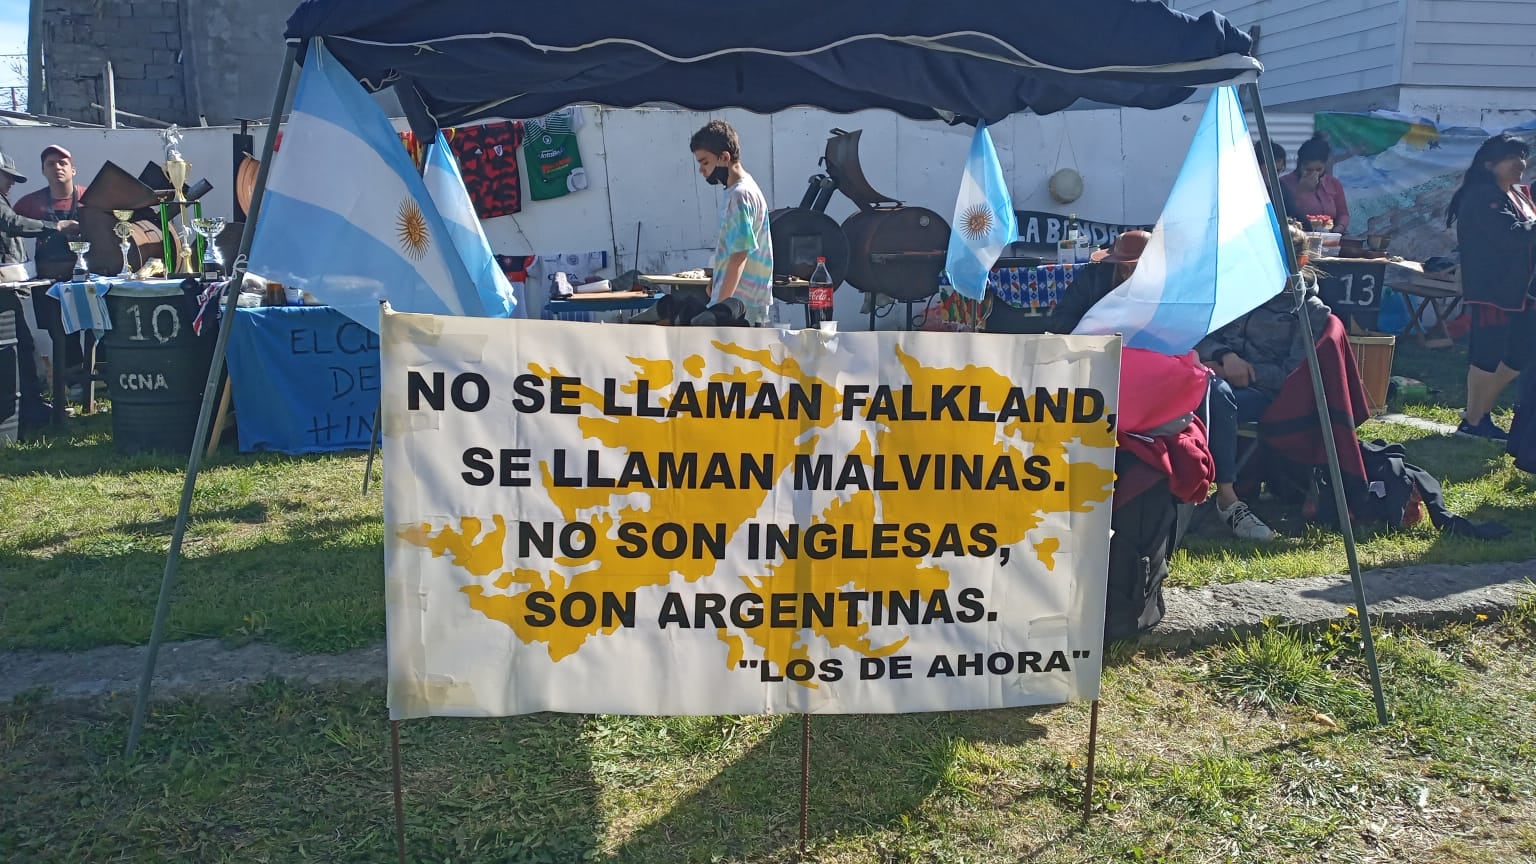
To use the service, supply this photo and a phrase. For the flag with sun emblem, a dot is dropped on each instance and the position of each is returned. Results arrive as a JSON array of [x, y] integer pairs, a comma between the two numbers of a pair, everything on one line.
[[984, 219], [345, 215]]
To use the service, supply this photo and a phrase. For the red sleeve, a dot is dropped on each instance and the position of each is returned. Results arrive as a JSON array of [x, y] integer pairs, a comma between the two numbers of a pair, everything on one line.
[[31, 206]]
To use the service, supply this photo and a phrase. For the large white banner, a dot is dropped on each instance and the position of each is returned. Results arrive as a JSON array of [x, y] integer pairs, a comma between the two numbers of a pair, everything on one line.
[[654, 520]]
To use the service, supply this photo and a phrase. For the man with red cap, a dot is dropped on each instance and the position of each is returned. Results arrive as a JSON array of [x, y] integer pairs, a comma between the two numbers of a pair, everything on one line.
[[62, 197], [59, 201]]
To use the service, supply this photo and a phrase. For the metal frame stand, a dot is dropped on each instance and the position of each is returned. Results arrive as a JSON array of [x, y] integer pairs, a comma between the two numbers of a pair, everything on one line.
[[805, 782], [394, 751], [1093, 751], [210, 396], [1330, 445], [373, 445]]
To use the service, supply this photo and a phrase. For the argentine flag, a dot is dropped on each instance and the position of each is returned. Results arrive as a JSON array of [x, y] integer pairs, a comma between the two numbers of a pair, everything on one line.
[[345, 216], [446, 186], [984, 222], [1215, 254]]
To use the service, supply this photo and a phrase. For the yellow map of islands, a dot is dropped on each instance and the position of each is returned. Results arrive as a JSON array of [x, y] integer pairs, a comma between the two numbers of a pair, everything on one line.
[[479, 548]]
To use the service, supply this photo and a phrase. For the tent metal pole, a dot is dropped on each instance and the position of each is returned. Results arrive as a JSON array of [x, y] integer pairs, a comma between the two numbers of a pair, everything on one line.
[[1330, 444], [210, 392]]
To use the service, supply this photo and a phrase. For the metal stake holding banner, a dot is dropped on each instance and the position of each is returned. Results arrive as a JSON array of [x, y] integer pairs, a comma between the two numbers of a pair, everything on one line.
[[1335, 475], [1093, 750], [210, 396], [373, 445], [805, 781]]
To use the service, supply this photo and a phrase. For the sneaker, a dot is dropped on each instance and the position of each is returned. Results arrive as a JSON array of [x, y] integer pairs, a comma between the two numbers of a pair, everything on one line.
[[1486, 429], [1244, 525]]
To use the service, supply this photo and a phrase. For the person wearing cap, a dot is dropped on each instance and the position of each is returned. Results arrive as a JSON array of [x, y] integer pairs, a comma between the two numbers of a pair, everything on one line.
[[13, 228], [60, 200]]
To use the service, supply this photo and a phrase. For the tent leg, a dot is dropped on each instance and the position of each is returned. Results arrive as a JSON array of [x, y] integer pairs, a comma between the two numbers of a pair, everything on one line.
[[1330, 445], [210, 393]]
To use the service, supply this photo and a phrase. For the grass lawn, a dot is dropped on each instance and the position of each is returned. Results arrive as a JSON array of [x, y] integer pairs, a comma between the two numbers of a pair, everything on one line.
[[279, 548], [288, 550], [1258, 752]]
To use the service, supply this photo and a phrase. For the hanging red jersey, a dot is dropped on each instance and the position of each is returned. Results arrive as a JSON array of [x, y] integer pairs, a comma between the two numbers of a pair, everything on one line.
[[414, 147], [487, 156]]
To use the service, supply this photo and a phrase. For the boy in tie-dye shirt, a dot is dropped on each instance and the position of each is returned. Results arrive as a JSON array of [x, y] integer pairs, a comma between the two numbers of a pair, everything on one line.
[[744, 254]]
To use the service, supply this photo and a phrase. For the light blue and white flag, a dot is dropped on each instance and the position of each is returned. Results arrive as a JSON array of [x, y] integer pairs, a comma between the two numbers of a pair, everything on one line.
[[446, 186], [1215, 254], [984, 221], [345, 215]]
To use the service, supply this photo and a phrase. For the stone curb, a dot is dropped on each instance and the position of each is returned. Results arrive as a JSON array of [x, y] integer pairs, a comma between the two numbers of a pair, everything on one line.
[[1421, 595]]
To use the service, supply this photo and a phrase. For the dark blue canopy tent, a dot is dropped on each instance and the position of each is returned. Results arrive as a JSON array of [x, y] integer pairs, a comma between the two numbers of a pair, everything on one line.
[[458, 61], [467, 59]]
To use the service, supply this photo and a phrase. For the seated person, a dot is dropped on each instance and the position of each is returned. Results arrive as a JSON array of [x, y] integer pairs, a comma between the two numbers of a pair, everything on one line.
[[1250, 360]]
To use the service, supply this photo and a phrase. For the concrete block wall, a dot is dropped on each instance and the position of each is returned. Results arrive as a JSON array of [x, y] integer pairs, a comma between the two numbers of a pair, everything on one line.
[[142, 39]]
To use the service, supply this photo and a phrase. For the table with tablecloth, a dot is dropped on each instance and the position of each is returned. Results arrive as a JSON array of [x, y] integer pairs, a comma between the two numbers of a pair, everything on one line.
[[1031, 291], [305, 379]]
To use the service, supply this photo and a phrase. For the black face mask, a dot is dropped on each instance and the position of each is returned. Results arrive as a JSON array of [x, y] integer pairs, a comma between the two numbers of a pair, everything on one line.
[[720, 176]]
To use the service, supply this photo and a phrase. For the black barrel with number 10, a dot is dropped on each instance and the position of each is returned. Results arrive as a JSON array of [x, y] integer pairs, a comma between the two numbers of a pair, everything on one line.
[[156, 368]]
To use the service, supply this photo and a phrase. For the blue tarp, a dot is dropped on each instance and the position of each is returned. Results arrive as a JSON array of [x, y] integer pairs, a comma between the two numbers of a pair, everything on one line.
[[955, 60]]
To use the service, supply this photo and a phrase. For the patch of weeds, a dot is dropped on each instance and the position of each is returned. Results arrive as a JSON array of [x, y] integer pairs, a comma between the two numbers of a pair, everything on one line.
[[1406, 657], [31, 697], [917, 843], [1459, 642], [1527, 842], [1276, 669], [1518, 625], [960, 768], [1214, 788], [1311, 832]]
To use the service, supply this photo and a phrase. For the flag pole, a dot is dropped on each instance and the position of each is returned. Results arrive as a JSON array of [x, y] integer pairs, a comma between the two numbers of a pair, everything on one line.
[[1330, 444], [210, 392]]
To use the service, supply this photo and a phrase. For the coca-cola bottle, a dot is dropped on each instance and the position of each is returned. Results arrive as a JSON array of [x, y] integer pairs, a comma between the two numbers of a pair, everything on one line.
[[821, 287]]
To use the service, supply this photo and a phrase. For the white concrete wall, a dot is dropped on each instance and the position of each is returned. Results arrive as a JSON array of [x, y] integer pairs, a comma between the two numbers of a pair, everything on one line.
[[641, 173]]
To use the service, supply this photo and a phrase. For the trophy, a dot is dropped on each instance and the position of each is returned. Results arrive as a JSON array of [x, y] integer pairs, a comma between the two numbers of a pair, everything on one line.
[[124, 231], [176, 171], [210, 229], [176, 168], [184, 254], [80, 247]]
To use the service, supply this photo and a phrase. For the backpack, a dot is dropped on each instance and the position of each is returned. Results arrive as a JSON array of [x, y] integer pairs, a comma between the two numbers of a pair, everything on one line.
[[1147, 530], [1394, 494]]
